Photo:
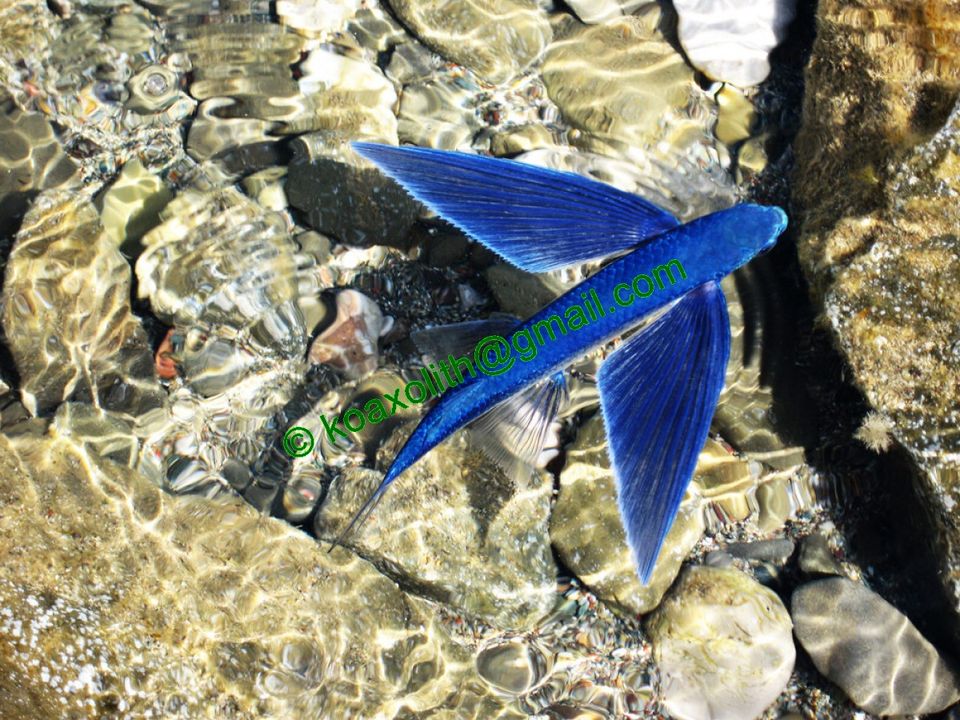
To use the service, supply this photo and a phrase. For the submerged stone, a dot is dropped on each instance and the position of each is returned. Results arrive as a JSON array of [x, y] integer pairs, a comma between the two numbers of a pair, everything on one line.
[[816, 557], [598, 11], [67, 316], [588, 534], [871, 650], [350, 343], [31, 160], [622, 83], [513, 667], [877, 176], [132, 203], [117, 595], [358, 205], [724, 645], [497, 39], [731, 40], [455, 528]]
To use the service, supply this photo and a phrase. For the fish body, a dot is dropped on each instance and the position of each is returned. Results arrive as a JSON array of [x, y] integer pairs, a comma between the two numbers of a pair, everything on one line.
[[658, 389], [705, 249]]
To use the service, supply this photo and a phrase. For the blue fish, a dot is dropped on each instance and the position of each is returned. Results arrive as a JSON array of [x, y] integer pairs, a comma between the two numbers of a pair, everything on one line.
[[659, 388]]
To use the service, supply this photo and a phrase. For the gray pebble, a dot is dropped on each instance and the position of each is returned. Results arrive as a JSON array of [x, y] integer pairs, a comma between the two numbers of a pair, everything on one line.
[[816, 558], [871, 650], [775, 551]]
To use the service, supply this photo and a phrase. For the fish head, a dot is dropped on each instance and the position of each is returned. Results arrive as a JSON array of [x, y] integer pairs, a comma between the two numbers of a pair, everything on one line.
[[754, 229]]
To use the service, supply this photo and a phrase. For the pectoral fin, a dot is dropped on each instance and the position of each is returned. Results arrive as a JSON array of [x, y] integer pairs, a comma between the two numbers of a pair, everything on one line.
[[658, 392], [514, 432], [536, 218]]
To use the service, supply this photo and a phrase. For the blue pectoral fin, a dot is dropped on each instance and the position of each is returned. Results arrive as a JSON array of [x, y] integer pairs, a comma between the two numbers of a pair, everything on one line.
[[658, 392], [514, 432], [536, 218]]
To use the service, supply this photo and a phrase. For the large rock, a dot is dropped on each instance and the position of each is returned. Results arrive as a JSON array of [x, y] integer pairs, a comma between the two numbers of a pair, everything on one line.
[[31, 159], [456, 528], [871, 650], [66, 312], [598, 11], [495, 38], [723, 645], [878, 171], [358, 205], [116, 596]]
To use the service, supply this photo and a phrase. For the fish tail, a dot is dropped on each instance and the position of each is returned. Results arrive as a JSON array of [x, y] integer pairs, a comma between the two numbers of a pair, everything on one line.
[[364, 512]]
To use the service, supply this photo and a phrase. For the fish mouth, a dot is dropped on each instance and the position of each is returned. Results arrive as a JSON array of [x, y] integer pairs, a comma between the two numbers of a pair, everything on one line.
[[782, 221], [779, 222]]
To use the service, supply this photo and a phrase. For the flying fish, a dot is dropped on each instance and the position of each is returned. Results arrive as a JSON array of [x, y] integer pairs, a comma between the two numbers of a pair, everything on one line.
[[659, 388]]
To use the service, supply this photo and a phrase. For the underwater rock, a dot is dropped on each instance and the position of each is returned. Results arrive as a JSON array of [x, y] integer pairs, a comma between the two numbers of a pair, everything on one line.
[[26, 30], [118, 597], [517, 291], [412, 63], [520, 139], [437, 113], [350, 343], [730, 40], [31, 160], [358, 205], [513, 667], [737, 115], [239, 63], [375, 29], [872, 651], [776, 551], [496, 39], [455, 528], [816, 557], [131, 205], [622, 83], [218, 258], [100, 83], [66, 313], [723, 643], [313, 18], [153, 89], [102, 433], [878, 162], [586, 530], [226, 274], [598, 11], [345, 99]]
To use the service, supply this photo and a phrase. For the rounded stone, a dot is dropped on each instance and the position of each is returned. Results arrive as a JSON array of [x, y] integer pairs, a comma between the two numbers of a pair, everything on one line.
[[512, 667], [724, 645], [871, 650], [153, 89], [730, 40]]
